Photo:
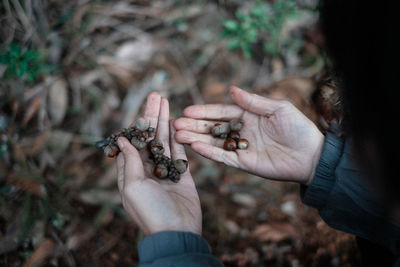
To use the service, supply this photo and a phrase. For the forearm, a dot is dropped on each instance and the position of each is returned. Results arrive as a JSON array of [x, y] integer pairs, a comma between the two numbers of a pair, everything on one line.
[[175, 249], [344, 199]]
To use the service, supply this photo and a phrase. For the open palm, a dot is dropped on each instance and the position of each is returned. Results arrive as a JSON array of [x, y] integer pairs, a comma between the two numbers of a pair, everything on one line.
[[283, 143], [157, 205]]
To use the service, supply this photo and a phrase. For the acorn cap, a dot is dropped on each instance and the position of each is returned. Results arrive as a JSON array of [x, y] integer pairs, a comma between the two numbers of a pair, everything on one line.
[[101, 143], [220, 129], [142, 125], [138, 144], [234, 135], [110, 152], [236, 124], [156, 147], [181, 165]]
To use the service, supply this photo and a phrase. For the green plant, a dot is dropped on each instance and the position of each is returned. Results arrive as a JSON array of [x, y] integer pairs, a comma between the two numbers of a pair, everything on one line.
[[22, 63], [263, 22]]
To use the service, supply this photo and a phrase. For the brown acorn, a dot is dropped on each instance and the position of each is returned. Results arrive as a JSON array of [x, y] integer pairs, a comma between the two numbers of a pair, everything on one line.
[[236, 124], [234, 135], [160, 171], [243, 144], [230, 144], [181, 165], [110, 151]]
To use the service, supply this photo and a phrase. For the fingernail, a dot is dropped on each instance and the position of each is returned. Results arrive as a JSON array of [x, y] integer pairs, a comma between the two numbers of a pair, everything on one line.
[[120, 143]]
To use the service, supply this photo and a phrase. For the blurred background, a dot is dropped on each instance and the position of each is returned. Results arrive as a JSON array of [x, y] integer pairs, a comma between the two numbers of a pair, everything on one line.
[[72, 72]]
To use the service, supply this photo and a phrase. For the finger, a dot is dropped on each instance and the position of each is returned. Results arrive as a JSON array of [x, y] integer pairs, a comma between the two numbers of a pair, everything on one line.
[[152, 109], [187, 137], [177, 150], [198, 126], [133, 164], [213, 112], [120, 171], [254, 103], [163, 126], [215, 153]]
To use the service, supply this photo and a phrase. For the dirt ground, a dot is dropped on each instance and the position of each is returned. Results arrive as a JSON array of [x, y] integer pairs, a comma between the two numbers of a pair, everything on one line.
[[98, 61]]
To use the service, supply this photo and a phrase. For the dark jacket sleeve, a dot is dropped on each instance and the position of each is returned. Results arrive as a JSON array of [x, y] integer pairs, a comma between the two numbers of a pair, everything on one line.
[[175, 249], [344, 199]]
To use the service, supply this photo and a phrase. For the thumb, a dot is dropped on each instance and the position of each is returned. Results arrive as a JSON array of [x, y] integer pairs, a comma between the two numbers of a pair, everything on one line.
[[254, 103], [133, 163]]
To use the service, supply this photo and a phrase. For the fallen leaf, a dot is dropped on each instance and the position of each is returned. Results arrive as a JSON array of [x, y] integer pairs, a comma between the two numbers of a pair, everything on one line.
[[58, 101], [81, 234], [275, 232], [26, 184], [32, 109], [41, 254], [39, 143], [244, 200]]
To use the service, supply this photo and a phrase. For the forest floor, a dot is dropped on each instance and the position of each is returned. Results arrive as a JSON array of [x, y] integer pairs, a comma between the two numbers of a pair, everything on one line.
[[75, 71]]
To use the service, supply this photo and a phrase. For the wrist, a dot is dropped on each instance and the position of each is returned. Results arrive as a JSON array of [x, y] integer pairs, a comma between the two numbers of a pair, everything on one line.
[[316, 155]]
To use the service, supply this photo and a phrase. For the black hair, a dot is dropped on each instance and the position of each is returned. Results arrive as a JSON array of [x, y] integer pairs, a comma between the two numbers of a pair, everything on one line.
[[360, 38]]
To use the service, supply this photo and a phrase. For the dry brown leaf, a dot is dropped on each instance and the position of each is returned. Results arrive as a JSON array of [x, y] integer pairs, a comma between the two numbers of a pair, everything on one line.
[[32, 109], [214, 92], [41, 254], [58, 101], [27, 184], [19, 153], [275, 232], [82, 233], [39, 142]]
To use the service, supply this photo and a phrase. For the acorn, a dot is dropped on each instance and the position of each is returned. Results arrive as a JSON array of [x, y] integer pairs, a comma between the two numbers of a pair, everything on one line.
[[234, 135], [160, 171], [156, 146], [243, 144], [181, 165], [102, 143], [142, 125], [110, 151], [151, 131], [230, 144], [139, 144], [173, 175], [220, 129], [236, 125]]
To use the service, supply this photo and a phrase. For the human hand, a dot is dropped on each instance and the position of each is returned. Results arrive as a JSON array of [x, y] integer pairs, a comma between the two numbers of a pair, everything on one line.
[[157, 205], [283, 143]]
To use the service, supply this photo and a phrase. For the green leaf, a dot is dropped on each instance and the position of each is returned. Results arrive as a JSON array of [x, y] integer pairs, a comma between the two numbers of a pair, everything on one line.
[[4, 59], [234, 44], [231, 25], [246, 48]]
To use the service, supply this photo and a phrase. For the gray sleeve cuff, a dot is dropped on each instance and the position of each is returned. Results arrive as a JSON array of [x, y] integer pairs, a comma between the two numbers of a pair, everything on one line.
[[317, 193], [168, 244]]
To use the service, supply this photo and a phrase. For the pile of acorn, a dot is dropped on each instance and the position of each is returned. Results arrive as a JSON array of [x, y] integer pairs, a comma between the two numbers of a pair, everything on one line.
[[140, 136], [230, 132]]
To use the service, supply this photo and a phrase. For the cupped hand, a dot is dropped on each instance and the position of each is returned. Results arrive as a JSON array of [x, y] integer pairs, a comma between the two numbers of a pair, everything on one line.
[[283, 143], [157, 205]]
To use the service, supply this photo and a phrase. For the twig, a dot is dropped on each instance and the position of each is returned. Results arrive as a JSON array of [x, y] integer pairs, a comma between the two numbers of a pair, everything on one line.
[[31, 31]]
